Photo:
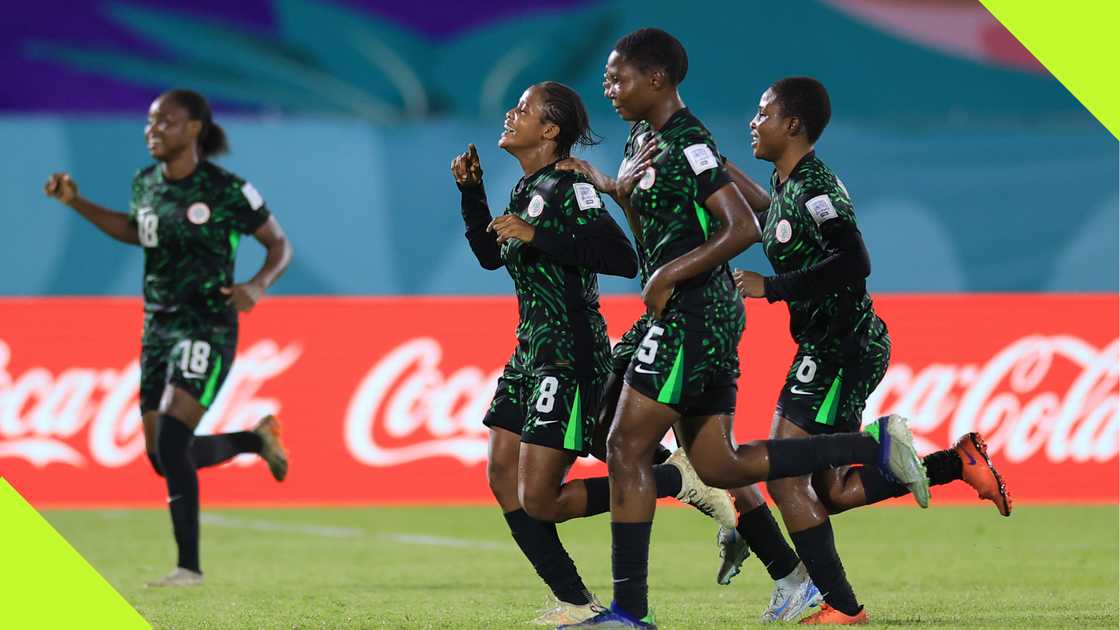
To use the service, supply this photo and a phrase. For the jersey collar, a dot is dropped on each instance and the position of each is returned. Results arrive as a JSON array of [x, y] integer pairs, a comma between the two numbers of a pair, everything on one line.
[[793, 173]]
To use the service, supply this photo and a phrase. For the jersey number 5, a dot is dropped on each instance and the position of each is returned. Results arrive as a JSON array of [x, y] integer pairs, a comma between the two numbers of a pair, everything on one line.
[[648, 349]]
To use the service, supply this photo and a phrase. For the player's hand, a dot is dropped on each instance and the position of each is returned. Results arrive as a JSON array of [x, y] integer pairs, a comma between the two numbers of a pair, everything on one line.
[[244, 296], [466, 167], [635, 168], [749, 283], [510, 226], [61, 187], [656, 294], [598, 179]]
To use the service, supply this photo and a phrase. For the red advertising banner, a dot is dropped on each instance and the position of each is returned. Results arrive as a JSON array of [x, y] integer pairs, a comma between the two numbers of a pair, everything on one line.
[[382, 399]]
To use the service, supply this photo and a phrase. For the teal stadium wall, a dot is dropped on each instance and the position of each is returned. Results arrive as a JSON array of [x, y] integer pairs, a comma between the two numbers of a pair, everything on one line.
[[967, 175]]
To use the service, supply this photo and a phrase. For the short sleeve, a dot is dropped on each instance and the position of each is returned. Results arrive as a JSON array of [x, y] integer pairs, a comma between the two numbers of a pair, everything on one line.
[[828, 202], [581, 202], [248, 207], [706, 167]]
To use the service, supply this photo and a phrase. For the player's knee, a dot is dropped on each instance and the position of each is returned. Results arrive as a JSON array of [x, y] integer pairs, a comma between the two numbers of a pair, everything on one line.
[[502, 477], [542, 506], [789, 490], [620, 449]]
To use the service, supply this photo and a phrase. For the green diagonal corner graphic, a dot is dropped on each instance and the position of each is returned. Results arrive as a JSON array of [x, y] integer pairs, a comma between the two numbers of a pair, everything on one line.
[[45, 583], [1076, 42]]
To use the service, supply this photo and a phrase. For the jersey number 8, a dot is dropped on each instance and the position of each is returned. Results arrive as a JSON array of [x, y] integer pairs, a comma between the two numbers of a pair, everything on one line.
[[547, 400]]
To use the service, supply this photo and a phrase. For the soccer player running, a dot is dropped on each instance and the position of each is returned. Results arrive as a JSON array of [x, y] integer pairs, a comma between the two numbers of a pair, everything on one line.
[[691, 220], [553, 238], [753, 527], [189, 214], [811, 238]]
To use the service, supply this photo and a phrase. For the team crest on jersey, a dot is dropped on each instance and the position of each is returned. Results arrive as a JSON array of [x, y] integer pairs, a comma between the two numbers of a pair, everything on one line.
[[783, 232], [198, 213], [646, 182], [536, 206]]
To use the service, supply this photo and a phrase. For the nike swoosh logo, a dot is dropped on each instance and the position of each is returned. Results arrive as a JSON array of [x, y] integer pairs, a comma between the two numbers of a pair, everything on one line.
[[802, 392], [542, 423], [640, 370], [190, 375], [170, 499], [616, 581], [971, 459]]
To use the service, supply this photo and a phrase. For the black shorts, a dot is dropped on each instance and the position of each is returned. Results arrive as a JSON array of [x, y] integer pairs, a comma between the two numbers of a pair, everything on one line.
[[191, 353], [687, 363], [549, 406], [826, 392]]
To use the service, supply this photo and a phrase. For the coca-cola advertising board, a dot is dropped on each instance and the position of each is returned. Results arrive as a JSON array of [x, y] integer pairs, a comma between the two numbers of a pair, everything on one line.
[[382, 399]]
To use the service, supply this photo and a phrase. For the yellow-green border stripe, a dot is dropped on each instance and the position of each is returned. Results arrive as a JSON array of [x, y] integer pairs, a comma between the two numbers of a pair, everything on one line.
[[1076, 42]]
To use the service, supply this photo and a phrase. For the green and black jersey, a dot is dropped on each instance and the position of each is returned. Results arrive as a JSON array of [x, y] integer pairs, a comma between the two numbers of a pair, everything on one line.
[[190, 229], [555, 276], [668, 203], [812, 241]]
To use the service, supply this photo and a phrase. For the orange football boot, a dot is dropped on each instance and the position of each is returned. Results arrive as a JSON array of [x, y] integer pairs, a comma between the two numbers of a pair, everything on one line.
[[977, 471], [829, 616]]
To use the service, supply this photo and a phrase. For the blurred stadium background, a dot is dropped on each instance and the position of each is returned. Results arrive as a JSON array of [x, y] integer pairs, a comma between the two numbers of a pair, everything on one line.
[[988, 197]]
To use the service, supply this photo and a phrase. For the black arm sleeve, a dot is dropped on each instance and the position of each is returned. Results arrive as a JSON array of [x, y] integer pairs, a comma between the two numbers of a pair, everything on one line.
[[848, 264], [476, 216], [599, 245]]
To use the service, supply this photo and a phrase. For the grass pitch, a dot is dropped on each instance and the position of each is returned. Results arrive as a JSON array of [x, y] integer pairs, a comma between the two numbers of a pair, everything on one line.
[[947, 567]]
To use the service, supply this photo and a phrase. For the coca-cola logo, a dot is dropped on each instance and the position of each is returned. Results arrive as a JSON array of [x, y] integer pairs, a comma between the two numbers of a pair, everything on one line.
[[1054, 394], [43, 416], [406, 409]]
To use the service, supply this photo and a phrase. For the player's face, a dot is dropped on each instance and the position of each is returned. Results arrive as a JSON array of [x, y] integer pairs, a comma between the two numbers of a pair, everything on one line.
[[523, 128], [627, 88], [768, 128], [169, 130]]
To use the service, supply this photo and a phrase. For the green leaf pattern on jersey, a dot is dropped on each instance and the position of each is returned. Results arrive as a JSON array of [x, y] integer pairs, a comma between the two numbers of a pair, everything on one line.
[[669, 205], [551, 326], [793, 241], [190, 230]]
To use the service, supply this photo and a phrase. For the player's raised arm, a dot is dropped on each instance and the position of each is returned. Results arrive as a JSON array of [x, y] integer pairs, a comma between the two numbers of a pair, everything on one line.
[[467, 171], [738, 230], [116, 224]]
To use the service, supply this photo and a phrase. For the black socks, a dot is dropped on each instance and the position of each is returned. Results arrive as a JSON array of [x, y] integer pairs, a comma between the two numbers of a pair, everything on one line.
[[211, 450], [943, 467], [817, 549], [541, 545], [804, 456], [630, 567], [173, 440], [667, 478], [761, 532]]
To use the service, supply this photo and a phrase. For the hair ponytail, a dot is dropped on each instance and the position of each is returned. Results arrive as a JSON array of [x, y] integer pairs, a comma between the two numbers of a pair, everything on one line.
[[212, 138]]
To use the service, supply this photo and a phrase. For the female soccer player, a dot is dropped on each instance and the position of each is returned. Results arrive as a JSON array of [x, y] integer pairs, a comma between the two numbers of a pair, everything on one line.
[[811, 239], [189, 214], [553, 238], [691, 219]]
